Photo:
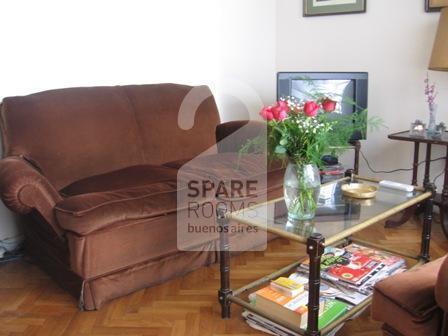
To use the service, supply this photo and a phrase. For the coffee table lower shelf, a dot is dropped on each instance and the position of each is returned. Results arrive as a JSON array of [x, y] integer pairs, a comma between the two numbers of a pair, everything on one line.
[[234, 297], [315, 245]]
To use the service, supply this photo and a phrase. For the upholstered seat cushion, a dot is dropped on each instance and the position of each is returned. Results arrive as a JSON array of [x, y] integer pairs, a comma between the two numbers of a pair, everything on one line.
[[132, 193], [406, 301], [84, 214], [134, 176], [226, 167]]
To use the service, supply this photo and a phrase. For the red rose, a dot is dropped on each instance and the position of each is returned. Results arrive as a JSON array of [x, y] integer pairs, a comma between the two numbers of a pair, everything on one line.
[[311, 108], [283, 105], [328, 105], [277, 112], [280, 111], [267, 113]]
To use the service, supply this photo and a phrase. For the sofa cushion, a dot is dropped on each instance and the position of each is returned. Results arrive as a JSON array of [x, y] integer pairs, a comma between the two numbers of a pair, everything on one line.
[[176, 121], [129, 177], [231, 166], [149, 191], [73, 133], [406, 301], [177, 164], [86, 213], [100, 201]]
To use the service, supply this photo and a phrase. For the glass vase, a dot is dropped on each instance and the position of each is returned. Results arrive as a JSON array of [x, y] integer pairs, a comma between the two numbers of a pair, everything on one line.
[[432, 119], [301, 190]]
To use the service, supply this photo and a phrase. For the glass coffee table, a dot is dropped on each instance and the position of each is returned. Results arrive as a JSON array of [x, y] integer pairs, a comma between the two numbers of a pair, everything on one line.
[[337, 219]]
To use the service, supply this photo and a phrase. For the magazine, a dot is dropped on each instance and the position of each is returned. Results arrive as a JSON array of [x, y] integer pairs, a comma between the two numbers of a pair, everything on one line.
[[355, 264]]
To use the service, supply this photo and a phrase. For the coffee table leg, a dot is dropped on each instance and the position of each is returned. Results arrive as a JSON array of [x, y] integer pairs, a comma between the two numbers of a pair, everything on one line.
[[444, 201], [415, 163], [224, 261], [315, 248], [427, 224]]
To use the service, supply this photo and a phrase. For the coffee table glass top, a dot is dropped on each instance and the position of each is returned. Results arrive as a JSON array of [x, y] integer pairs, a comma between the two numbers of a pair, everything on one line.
[[337, 216]]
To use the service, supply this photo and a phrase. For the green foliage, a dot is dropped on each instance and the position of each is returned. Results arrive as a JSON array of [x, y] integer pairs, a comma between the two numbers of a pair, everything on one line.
[[304, 139]]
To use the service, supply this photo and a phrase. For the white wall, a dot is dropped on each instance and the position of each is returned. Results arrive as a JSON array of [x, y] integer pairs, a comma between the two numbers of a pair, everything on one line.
[[393, 42], [235, 46], [227, 44], [247, 68]]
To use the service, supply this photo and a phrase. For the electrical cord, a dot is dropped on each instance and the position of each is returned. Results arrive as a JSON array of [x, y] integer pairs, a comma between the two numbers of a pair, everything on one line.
[[438, 176], [399, 169]]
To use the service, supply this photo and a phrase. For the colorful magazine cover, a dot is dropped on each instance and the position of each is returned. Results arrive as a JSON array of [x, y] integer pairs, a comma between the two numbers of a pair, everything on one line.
[[355, 271], [388, 259]]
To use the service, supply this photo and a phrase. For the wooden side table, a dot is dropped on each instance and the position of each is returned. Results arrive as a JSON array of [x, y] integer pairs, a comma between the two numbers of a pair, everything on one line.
[[441, 199]]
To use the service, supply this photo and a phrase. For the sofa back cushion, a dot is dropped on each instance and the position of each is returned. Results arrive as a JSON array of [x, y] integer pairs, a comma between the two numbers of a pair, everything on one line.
[[75, 133], [169, 132]]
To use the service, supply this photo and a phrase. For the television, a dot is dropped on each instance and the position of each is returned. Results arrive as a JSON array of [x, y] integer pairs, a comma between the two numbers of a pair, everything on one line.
[[349, 89]]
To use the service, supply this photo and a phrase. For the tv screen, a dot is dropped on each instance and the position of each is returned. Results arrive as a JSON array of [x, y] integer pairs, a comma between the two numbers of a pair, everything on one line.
[[349, 89]]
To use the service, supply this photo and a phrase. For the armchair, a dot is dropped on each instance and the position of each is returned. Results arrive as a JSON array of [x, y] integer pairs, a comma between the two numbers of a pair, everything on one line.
[[414, 303]]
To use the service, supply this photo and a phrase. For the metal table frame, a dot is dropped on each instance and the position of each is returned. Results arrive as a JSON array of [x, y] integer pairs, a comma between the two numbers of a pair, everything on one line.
[[315, 246]]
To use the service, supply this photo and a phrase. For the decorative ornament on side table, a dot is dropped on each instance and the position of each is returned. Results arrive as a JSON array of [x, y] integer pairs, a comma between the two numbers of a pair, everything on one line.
[[418, 129], [431, 94], [440, 130]]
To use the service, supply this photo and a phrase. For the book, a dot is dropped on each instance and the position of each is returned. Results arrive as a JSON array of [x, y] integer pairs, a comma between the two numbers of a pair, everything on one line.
[[332, 311], [287, 309], [262, 324], [287, 287]]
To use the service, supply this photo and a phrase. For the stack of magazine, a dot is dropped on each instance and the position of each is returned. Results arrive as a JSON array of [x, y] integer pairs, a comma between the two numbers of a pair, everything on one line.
[[348, 275]]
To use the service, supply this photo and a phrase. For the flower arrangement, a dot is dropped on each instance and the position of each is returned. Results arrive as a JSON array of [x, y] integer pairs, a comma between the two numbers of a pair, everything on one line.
[[431, 95], [303, 131], [430, 92], [299, 130]]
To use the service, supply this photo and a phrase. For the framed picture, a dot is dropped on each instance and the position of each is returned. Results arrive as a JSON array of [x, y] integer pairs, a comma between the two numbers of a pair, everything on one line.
[[435, 5], [330, 7]]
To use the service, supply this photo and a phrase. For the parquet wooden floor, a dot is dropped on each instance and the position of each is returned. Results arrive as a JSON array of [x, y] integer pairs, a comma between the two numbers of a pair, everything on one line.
[[32, 304]]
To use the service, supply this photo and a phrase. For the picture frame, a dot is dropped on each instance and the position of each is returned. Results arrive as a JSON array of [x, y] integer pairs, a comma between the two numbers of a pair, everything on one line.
[[332, 7], [435, 5]]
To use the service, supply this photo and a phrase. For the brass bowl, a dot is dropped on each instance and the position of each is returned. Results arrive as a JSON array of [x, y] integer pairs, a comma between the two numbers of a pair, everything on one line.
[[359, 190]]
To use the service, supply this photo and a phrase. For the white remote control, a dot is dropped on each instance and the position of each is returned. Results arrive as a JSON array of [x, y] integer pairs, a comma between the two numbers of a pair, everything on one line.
[[397, 186]]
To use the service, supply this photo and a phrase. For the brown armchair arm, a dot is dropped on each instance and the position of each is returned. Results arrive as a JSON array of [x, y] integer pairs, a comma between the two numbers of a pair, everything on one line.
[[232, 135], [442, 286], [23, 188]]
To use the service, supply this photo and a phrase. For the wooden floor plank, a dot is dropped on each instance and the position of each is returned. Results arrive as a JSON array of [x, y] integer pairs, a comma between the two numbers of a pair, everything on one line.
[[32, 304]]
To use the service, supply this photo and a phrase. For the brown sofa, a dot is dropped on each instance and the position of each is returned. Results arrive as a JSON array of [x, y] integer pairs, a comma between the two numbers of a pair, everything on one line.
[[414, 303], [94, 169]]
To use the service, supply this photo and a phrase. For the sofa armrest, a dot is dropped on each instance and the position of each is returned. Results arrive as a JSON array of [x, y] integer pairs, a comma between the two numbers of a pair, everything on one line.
[[23, 188], [232, 135], [442, 286]]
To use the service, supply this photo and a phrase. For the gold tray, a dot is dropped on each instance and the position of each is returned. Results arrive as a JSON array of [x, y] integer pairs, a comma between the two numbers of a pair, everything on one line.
[[359, 190]]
